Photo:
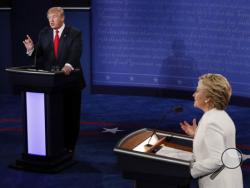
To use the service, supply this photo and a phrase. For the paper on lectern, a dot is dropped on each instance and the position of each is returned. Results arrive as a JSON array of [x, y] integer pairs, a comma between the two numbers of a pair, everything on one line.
[[175, 153]]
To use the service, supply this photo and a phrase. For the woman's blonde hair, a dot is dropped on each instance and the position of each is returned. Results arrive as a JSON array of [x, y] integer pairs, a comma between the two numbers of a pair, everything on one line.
[[218, 90]]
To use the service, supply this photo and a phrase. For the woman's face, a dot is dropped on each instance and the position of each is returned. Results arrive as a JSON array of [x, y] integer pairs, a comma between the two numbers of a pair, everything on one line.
[[200, 99]]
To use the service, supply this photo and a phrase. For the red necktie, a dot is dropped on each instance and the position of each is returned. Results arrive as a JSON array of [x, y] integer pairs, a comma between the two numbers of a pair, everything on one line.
[[56, 43]]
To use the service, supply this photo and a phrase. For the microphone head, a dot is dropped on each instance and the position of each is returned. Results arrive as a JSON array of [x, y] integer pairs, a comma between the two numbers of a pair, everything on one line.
[[178, 109], [148, 146]]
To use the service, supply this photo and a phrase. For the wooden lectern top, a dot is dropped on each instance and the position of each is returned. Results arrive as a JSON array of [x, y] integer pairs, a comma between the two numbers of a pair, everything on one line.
[[138, 137]]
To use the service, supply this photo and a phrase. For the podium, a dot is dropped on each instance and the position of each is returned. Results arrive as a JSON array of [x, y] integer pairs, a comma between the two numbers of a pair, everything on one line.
[[143, 162], [42, 117]]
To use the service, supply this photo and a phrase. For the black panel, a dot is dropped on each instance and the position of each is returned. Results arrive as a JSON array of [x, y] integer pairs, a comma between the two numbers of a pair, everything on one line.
[[71, 3], [5, 3]]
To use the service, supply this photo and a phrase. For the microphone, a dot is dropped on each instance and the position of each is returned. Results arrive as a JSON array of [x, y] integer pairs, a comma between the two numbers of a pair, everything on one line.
[[176, 109], [151, 136], [36, 49]]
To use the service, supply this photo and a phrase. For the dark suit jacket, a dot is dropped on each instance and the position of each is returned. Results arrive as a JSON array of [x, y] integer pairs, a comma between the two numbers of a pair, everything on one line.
[[70, 48]]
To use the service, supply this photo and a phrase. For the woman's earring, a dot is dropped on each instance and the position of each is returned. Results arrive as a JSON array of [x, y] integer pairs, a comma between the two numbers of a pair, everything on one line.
[[206, 101]]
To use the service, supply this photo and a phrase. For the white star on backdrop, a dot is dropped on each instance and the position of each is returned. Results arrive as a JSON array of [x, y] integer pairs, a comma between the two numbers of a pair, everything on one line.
[[113, 130]]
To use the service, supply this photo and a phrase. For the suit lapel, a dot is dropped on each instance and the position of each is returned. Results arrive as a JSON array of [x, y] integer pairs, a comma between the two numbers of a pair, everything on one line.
[[63, 39], [51, 43]]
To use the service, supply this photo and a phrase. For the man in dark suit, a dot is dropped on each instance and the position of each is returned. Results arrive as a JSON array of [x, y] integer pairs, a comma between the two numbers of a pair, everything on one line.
[[59, 47]]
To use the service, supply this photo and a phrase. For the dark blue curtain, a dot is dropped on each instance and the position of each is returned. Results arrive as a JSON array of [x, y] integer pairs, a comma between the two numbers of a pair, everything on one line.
[[27, 17]]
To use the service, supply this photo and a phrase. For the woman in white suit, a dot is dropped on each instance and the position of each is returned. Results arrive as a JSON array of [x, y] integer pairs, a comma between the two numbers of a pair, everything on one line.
[[214, 133]]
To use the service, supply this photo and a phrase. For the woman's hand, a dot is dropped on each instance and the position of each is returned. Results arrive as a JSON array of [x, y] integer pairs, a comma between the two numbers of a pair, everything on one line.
[[189, 129]]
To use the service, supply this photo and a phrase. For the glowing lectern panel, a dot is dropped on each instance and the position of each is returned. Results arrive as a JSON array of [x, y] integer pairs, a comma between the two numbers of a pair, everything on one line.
[[35, 108]]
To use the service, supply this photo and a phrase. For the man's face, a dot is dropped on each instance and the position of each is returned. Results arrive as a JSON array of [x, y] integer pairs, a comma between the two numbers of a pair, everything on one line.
[[55, 20]]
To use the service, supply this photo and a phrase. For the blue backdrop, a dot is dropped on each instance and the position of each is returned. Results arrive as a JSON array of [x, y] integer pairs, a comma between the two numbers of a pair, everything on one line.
[[168, 44]]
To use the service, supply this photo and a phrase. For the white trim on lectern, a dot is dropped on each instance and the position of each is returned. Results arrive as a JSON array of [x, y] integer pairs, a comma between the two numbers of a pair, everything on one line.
[[35, 113]]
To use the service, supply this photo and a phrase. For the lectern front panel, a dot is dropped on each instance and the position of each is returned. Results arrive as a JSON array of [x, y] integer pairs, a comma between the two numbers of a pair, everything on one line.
[[35, 108]]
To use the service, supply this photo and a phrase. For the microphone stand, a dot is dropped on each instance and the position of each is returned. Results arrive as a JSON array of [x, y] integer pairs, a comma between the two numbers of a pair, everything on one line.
[[151, 136], [176, 109], [36, 49], [35, 58]]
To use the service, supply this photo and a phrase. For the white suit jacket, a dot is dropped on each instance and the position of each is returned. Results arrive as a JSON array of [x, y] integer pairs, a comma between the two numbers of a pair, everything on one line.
[[215, 133]]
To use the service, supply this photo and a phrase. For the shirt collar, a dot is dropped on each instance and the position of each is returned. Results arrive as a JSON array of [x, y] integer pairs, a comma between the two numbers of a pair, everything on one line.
[[60, 30]]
